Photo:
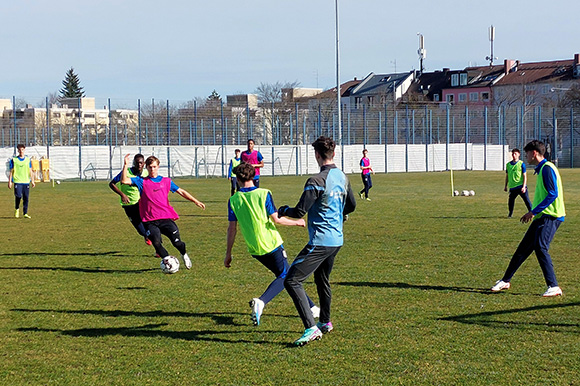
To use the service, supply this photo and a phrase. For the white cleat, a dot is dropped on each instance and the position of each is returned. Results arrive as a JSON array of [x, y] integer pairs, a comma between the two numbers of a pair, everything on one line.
[[500, 285], [552, 291], [186, 261], [257, 309]]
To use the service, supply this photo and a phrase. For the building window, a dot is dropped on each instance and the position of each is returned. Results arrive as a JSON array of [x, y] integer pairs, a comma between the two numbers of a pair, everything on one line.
[[357, 102], [485, 96], [473, 96], [371, 100], [436, 98], [462, 97], [89, 115], [450, 98], [454, 80], [463, 79]]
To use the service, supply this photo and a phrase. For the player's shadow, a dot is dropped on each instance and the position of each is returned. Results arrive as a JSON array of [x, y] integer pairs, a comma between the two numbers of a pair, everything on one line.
[[466, 217], [110, 253], [219, 318], [484, 319], [153, 331], [79, 269], [423, 287]]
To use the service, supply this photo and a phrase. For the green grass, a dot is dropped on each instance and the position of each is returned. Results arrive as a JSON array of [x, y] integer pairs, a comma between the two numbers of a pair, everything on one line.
[[84, 301]]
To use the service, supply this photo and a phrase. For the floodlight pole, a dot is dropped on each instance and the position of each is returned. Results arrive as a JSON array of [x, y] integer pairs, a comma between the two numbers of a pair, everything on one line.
[[338, 89]]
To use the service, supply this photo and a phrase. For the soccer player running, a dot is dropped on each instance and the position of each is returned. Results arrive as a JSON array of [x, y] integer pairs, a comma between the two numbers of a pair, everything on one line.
[[129, 195], [516, 180], [327, 198], [547, 215], [254, 158], [157, 214], [253, 208], [232, 176], [21, 178], [366, 169]]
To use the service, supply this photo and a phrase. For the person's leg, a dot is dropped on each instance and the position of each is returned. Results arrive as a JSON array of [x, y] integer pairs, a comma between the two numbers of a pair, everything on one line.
[[370, 182], [171, 231], [511, 202], [277, 263], [544, 235], [321, 278], [363, 190], [25, 194], [303, 266], [154, 234], [524, 250], [17, 195], [234, 186], [526, 199], [132, 212]]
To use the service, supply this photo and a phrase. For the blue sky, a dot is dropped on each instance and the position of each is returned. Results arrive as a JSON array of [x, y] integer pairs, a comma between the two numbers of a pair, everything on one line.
[[179, 50]]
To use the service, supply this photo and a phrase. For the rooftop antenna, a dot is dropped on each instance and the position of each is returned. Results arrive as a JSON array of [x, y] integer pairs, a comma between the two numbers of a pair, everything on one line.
[[422, 51], [491, 32]]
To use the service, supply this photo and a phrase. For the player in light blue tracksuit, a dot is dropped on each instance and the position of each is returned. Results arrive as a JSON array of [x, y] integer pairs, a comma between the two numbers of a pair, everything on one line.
[[327, 198]]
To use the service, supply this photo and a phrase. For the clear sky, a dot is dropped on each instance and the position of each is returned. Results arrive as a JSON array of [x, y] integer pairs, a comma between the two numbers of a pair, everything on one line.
[[182, 49]]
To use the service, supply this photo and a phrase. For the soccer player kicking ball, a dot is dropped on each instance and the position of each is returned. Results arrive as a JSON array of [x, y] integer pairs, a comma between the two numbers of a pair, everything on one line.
[[327, 198], [157, 214], [253, 208], [548, 213]]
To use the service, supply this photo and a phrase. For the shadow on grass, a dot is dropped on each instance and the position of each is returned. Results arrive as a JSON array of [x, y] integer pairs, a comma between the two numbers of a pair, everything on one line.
[[481, 318], [111, 253], [219, 318], [77, 269], [152, 331], [414, 286], [468, 217]]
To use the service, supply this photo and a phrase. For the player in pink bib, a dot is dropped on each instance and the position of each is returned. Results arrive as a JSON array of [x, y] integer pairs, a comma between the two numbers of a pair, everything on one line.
[[156, 212], [254, 158]]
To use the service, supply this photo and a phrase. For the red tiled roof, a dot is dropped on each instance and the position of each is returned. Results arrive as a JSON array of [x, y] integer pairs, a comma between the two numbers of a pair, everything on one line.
[[557, 70]]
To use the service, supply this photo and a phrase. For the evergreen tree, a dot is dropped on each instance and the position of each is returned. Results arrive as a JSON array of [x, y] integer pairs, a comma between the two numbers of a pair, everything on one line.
[[72, 86]]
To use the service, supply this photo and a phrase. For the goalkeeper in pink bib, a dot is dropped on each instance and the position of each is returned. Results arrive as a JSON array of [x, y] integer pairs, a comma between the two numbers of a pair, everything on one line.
[[157, 214]]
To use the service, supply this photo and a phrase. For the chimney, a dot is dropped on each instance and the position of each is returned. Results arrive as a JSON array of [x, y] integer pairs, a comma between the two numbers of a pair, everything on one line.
[[508, 64], [577, 59]]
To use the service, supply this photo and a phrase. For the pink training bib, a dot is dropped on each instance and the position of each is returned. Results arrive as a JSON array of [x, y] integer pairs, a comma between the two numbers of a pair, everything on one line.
[[154, 202]]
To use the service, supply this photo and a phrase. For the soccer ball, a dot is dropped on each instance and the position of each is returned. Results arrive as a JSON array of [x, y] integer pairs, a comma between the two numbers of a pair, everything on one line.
[[465, 193], [169, 264], [58, 182], [472, 192], [456, 192]]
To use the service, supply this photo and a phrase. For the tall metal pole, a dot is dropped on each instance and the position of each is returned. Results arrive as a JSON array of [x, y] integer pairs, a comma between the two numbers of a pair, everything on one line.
[[338, 89]]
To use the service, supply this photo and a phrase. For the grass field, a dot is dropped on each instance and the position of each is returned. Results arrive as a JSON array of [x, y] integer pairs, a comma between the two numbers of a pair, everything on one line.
[[85, 303]]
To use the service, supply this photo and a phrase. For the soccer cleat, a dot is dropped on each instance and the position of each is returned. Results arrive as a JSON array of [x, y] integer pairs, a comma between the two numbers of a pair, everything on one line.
[[325, 328], [257, 308], [368, 199], [147, 241], [310, 334], [186, 261], [17, 213], [26, 215], [500, 285], [552, 291], [315, 312], [362, 196]]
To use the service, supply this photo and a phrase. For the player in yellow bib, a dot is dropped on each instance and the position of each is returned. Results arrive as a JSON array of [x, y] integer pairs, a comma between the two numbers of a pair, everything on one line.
[[547, 214], [129, 195], [253, 209], [516, 180], [21, 178]]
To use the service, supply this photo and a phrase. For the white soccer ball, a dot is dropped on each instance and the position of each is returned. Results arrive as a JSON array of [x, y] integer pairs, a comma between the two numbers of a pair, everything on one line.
[[472, 192], [465, 193], [456, 192], [169, 264], [58, 182]]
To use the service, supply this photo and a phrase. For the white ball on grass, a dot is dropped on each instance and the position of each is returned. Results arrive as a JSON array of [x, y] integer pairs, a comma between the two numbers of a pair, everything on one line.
[[169, 264]]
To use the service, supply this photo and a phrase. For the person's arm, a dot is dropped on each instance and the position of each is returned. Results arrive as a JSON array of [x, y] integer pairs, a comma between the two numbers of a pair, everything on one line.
[[185, 194], [308, 198], [30, 174], [232, 230], [10, 177], [525, 186], [230, 170], [125, 179], [115, 188], [287, 221], [350, 201], [260, 163], [505, 189]]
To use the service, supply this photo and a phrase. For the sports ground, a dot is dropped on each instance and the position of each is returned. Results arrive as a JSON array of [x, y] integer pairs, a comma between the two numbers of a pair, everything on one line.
[[85, 303]]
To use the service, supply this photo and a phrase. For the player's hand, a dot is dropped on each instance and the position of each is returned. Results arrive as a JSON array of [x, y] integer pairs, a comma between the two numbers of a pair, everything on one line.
[[32, 183], [523, 189], [228, 261], [124, 198], [127, 159], [505, 189], [200, 204], [9, 184], [301, 223], [527, 217]]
